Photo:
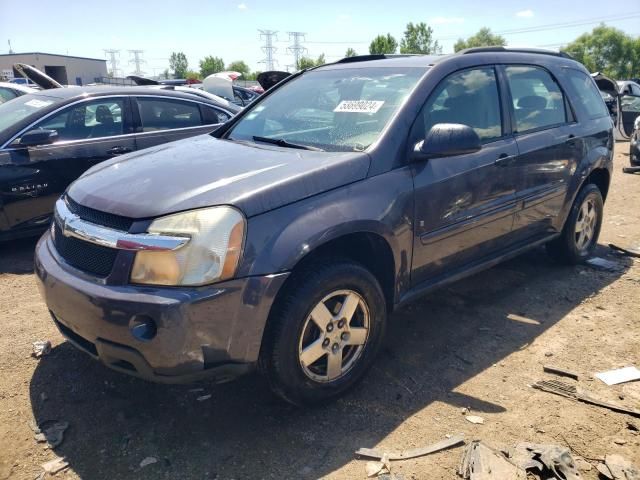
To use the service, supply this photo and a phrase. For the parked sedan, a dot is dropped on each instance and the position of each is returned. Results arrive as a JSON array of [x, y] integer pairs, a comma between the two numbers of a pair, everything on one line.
[[9, 91], [48, 139]]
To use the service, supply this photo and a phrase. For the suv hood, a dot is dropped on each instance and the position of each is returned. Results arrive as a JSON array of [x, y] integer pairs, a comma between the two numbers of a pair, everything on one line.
[[204, 171]]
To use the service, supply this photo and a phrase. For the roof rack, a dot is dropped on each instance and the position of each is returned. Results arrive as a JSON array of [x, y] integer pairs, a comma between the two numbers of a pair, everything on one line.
[[515, 50], [375, 56]]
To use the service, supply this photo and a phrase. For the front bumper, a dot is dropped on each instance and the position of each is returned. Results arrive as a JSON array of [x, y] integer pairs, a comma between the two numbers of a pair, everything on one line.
[[213, 331]]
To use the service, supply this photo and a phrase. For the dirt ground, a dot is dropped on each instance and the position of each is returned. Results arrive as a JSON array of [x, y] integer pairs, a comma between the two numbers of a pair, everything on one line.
[[477, 344]]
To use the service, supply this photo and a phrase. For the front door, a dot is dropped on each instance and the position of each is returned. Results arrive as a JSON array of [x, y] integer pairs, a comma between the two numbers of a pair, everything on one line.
[[464, 205], [31, 179]]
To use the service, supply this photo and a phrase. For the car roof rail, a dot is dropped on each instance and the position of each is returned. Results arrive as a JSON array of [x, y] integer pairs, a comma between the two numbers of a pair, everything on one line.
[[515, 50], [375, 56]]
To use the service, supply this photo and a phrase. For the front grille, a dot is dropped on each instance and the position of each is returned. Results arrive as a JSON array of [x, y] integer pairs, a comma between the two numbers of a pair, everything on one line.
[[99, 218], [85, 256]]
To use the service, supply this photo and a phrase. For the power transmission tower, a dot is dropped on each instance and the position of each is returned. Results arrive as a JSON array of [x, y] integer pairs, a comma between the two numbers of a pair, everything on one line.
[[113, 61], [296, 47], [268, 48], [137, 60]]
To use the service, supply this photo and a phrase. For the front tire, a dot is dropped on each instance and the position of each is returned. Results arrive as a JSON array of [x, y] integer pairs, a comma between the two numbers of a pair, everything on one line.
[[579, 236], [324, 332]]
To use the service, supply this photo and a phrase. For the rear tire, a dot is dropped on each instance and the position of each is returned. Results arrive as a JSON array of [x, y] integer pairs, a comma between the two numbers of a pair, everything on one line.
[[324, 332], [579, 236]]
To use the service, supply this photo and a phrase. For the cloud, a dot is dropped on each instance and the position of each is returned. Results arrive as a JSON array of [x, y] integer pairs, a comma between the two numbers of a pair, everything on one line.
[[525, 13], [243, 6], [446, 20]]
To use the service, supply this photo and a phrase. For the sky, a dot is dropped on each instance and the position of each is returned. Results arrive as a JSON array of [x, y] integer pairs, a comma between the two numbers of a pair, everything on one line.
[[229, 28]]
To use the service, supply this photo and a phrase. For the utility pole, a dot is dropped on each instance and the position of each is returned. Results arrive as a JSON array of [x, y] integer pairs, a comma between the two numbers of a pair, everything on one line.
[[113, 61], [296, 47], [268, 48], [10, 49], [137, 60]]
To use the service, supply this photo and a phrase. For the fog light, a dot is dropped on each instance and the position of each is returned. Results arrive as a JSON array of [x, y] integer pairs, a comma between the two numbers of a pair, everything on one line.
[[143, 328]]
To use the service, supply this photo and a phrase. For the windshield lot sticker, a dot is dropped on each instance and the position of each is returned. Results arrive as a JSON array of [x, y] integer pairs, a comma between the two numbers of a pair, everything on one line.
[[35, 103], [359, 106]]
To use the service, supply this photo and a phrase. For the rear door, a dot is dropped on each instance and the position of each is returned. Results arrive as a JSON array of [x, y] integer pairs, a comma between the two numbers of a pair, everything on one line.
[[165, 119], [464, 204], [546, 134], [629, 110], [89, 132]]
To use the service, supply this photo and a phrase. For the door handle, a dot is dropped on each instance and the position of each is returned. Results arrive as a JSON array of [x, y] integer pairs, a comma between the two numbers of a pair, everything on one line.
[[118, 150], [504, 159]]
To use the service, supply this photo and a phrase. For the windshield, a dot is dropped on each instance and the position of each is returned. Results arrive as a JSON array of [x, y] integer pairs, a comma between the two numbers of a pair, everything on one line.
[[334, 110], [20, 108]]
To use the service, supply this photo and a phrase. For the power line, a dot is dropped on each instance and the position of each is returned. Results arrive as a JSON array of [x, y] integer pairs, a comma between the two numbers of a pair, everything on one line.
[[268, 48], [297, 49], [137, 60], [113, 61]]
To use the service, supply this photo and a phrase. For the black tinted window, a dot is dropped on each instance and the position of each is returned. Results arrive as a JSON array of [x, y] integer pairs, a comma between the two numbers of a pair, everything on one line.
[[470, 98], [95, 119], [587, 93], [161, 114], [537, 98], [212, 115]]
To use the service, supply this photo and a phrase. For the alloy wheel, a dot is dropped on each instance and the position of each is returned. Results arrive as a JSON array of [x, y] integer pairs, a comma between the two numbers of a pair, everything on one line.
[[334, 336], [586, 224]]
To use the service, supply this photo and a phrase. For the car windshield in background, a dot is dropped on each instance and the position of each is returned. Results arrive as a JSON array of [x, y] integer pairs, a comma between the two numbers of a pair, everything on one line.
[[334, 110], [21, 107]]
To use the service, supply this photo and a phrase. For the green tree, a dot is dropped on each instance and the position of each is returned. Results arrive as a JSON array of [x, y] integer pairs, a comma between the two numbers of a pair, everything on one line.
[[165, 74], [484, 38], [240, 67], [192, 75], [350, 52], [179, 64], [306, 62], [383, 44], [607, 50], [418, 38], [210, 64]]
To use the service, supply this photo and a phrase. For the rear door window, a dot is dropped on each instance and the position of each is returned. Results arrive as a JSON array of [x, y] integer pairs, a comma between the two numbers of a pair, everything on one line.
[[211, 116], [538, 101], [167, 114]]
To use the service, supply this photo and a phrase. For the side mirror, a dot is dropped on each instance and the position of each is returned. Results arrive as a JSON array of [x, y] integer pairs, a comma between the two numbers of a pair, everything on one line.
[[447, 140], [38, 137]]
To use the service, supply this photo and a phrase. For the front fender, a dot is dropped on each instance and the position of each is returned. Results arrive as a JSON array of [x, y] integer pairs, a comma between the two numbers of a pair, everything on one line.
[[382, 205]]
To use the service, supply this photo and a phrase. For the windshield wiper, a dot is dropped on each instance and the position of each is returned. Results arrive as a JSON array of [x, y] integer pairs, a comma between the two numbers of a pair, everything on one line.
[[281, 142]]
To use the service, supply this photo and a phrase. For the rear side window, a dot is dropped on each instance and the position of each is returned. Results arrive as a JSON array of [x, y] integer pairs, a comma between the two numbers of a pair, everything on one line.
[[469, 97], [211, 116], [537, 99], [587, 93], [160, 114]]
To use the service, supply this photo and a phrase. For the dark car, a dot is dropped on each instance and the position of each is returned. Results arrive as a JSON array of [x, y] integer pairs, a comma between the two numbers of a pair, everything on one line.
[[50, 138], [630, 107], [284, 239]]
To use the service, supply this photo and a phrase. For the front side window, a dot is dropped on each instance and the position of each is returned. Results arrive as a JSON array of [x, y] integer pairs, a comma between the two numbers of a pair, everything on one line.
[[167, 114], [342, 109], [94, 119], [469, 97], [590, 97], [537, 99]]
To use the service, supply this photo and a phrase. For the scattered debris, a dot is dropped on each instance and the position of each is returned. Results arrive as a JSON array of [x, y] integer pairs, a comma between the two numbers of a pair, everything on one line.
[[630, 252], [202, 398], [631, 169], [53, 434], [621, 375], [560, 371], [41, 348], [548, 354], [570, 391], [600, 263], [382, 467], [475, 419], [481, 462], [148, 461], [56, 465], [616, 467], [619, 441], [633, 427], [454, 441], [546, 459]]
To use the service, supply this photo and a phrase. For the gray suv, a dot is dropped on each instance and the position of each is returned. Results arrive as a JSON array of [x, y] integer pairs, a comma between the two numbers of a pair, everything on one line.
[[285, 239]]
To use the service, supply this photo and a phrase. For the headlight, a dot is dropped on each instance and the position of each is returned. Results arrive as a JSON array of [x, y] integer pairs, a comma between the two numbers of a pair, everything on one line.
[[212, 253]]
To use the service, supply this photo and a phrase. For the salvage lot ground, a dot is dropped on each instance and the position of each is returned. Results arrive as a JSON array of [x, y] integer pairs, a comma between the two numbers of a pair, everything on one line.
[[477, 344]]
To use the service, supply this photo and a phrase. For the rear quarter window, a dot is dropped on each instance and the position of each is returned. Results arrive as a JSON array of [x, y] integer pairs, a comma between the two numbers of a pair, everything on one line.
[[587, 94]]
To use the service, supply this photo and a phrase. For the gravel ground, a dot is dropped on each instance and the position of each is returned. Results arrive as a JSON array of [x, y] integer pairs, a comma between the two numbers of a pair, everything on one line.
[[477, 344]]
